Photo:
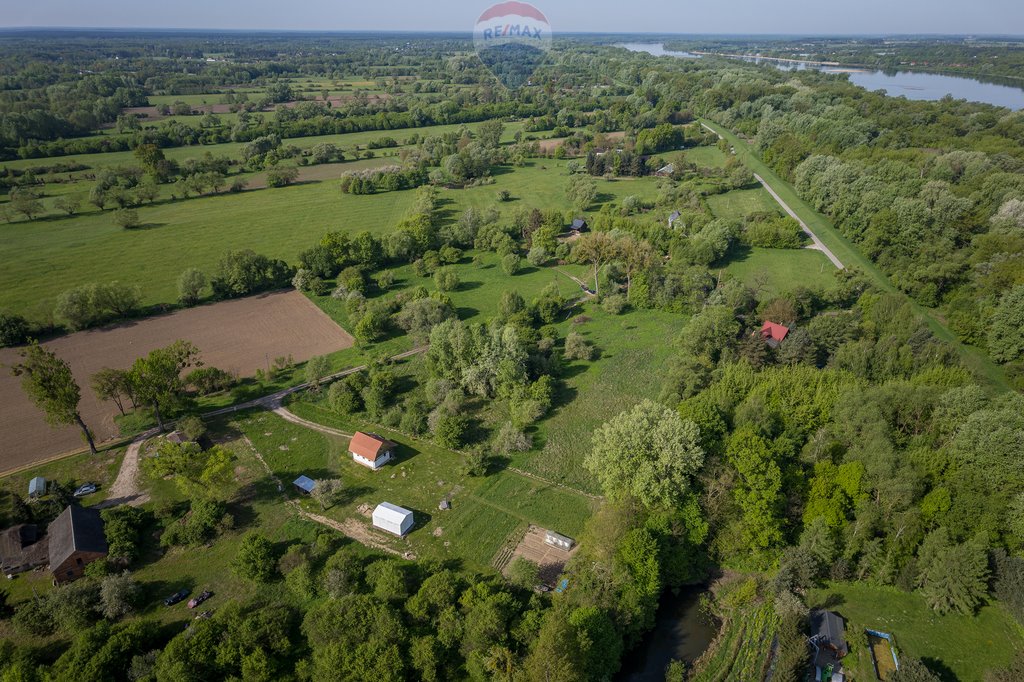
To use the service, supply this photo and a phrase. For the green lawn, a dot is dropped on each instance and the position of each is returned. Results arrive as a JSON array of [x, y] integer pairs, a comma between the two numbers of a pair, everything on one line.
[[739, 203], [632, 346], [706, 157], [956, 647], [976, 360], [778, 271]]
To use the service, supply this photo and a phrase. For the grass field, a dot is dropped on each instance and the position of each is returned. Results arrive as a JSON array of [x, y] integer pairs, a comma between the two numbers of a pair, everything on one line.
[[196, 233], [742, 202], [708, 157], [631, 347], [777, 271], [955, 647], [482, 518]]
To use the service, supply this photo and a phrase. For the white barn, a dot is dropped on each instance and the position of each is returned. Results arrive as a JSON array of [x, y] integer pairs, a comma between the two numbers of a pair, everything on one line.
[[392, 518]]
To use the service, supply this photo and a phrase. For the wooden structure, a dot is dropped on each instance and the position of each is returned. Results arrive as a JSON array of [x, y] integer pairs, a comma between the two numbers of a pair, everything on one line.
[[76, 540]]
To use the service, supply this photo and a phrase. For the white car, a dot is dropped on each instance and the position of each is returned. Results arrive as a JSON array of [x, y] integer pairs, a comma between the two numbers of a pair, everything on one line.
[[87, 489]]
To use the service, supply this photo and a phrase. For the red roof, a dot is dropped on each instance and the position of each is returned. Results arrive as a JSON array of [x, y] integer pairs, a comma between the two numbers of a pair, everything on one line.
[[775, 332], [368, 445]]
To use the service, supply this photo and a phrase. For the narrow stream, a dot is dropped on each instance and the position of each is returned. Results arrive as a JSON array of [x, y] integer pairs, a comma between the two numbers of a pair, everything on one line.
[[680, 632]]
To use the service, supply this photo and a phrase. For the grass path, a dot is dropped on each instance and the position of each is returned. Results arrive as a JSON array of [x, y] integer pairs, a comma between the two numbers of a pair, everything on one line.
[[975, 360]]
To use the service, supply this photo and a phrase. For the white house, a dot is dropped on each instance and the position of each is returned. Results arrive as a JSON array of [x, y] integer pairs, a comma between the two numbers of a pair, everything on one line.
[[371, 450], [392, 518]]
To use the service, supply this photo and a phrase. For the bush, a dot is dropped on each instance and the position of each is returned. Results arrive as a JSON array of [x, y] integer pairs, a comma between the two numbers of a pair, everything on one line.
[[126, 218], [345, 396], [207, 380], [577, 347], [123, 527], [537, 256], [205, 519], [192, 426], [450, 431], [510, 264], [446, 279], [614, 304], [280, 177], [14, 329], [256, 559], [120, 595], [510, 439], [523, 573], [190, 286]]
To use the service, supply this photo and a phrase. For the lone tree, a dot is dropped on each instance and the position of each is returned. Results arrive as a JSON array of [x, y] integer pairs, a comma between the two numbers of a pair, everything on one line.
[[328, 492], [648, 452], [48, 381], [157, 377], [596, 248]]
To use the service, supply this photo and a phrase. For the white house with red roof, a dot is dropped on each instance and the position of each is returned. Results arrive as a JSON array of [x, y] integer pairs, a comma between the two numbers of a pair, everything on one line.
[[371, 450]]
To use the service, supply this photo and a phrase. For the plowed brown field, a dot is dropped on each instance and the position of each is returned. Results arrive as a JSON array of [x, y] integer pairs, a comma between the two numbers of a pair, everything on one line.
[[237, 336]]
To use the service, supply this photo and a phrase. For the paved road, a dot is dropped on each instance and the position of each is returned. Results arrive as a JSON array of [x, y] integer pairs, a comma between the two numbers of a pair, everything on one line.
[[818, 245]]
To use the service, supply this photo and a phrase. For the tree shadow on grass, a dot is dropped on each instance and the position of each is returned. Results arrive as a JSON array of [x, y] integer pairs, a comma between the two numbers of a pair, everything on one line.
[[832, 600], [465, 312], [469, 286], [146, 226], [940, 669]]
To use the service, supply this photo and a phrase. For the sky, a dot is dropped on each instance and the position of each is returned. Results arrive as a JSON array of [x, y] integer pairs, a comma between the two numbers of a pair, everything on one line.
[[654, 16]]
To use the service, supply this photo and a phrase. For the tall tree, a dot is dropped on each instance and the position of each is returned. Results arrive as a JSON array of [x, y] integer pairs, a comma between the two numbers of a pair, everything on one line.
[[48, 381], [596, 248], [157, 377], [635, 255], [649, 453]]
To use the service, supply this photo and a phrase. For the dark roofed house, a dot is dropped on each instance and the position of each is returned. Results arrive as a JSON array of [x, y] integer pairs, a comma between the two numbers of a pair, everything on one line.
[[773, 334], [579, 225], [829, 641], [76, 540], [21, 549]]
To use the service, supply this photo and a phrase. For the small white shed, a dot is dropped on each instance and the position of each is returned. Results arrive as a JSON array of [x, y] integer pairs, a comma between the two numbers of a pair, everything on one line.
[[558, 540], [392, 518]]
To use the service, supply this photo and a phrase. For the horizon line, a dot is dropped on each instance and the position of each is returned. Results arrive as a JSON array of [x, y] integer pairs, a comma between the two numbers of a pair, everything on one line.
[[897, 34]]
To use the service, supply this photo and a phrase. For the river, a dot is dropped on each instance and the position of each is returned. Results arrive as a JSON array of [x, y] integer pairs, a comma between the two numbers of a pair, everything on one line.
[[680, 632], [910, 84]]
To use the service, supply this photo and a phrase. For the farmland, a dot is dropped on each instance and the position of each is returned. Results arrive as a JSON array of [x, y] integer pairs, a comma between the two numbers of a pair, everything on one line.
[[236, 336], [374, 233]]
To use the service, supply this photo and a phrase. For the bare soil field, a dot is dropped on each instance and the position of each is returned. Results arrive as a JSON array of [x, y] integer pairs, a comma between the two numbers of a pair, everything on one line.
[[238, 336], [550, 559]]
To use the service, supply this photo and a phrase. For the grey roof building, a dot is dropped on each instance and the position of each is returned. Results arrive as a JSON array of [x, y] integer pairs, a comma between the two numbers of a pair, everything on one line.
[[76, 540]]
